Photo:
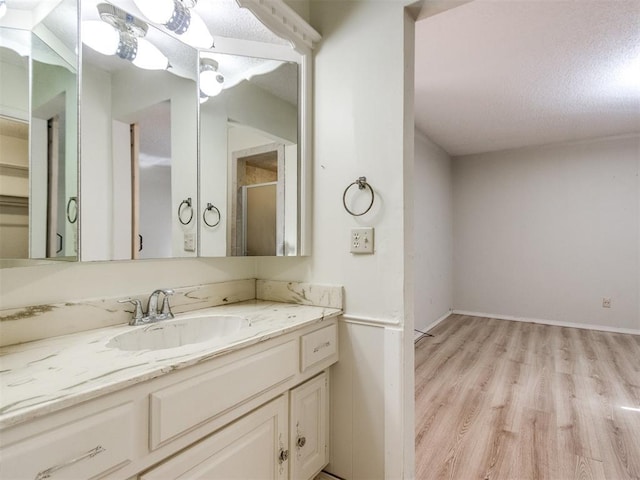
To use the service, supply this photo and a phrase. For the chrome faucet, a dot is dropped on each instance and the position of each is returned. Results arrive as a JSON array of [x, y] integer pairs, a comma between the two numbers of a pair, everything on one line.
[[152, 315], [152, 305]]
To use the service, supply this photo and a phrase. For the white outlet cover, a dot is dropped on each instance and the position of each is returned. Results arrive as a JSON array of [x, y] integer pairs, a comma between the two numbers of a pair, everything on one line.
[[189, 242]]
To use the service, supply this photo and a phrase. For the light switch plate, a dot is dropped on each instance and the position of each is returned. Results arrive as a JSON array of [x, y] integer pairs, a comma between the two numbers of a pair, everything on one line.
[[362, 240]]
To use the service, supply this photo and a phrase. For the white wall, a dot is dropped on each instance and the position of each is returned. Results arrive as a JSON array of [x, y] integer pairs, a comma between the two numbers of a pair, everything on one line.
[[45, 284], [214, 174], [546, 233], [96, 173], [433, 233], [361, 98], [14, 94]]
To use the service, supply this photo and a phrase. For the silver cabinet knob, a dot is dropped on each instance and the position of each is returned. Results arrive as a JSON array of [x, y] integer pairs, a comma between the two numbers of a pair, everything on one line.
[[284, 456]]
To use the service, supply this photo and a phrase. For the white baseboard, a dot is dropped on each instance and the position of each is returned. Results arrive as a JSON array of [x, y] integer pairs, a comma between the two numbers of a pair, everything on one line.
[[439, 320], [586, 326]]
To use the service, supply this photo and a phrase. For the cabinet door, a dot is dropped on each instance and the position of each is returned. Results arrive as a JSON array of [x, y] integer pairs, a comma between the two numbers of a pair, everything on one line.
[[309, 428], [255, 446]]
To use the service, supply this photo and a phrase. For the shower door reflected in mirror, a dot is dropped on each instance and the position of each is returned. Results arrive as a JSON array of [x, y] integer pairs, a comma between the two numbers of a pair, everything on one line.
[[258, 208]]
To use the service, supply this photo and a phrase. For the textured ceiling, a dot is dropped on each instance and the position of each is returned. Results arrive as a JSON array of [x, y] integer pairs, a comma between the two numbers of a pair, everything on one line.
[[493, 75]]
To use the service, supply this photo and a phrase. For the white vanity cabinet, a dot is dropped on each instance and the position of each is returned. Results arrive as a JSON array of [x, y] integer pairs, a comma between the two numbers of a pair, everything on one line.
[[284, 439], [253, 447], [260, 412]]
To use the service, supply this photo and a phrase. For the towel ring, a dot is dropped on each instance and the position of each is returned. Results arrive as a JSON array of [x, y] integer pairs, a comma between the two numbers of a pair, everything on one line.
[[186, 202], [361, 182], [210, 207], [73, 200]]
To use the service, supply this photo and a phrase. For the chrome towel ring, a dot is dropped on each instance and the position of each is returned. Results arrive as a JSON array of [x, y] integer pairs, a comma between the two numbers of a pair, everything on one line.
[[211, 207], [188, 207], [74, 201], [361, 182]]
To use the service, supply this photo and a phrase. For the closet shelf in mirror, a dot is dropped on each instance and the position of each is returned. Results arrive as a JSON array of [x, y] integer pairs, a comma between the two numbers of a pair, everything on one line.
[[14, 201], [13, 169]]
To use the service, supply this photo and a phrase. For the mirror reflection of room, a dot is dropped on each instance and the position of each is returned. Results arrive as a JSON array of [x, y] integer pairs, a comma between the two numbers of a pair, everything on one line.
[[141, 135], [92, 213], [38, 145], [255, 114]]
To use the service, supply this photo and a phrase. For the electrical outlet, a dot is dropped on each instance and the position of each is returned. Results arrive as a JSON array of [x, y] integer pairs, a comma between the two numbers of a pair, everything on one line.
[[362, 240], [189, 242], [606, 302]]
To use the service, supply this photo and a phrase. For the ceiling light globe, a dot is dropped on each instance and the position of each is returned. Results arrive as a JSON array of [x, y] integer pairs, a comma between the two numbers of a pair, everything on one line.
[[100, 36], [197, 35], [149, 57], [211, 82], [157, 11]]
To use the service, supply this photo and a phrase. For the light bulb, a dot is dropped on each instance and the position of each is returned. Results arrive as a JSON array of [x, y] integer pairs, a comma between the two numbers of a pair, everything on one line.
[[3, 8], [100, 36], [197, 35], [157, 11], [211, 82], [149, 57]]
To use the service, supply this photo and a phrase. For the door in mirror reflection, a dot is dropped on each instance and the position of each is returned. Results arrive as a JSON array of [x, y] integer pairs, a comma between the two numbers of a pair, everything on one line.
[[259, 219], [265, 201], [53, 140], [259, 183], [151, 182]]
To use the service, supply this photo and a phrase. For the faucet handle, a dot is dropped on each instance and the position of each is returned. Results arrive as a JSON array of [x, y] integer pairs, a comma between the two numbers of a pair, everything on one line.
[[166, 308], [137, 314]]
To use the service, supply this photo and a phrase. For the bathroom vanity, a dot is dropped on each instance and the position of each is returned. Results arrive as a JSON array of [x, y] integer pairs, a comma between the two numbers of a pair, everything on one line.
[[249, 403]]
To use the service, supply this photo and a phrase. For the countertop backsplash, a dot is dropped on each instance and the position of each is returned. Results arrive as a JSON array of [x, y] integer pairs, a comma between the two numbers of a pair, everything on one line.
[[25, 324]]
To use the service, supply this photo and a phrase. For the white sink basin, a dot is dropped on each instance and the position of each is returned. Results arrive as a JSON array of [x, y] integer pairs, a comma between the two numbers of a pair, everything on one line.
[[179, 332]]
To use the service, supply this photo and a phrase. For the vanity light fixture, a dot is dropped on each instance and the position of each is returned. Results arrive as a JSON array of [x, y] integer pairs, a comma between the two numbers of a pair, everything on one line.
[[3, 7], [211, 80], [119, 33], [178, 16]]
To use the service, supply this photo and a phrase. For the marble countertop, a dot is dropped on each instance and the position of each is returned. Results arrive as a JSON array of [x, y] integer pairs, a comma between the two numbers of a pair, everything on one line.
[[47, 375]]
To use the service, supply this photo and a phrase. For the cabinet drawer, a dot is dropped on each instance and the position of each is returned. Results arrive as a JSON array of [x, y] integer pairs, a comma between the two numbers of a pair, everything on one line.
[[180, 407], [319, 345], [86, 448]]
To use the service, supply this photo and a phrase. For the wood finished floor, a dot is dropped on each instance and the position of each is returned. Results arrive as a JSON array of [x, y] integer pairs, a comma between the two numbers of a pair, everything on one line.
[[510, 400]]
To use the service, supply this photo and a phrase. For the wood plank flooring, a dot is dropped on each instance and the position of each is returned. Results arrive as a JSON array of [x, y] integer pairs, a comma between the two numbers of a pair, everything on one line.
[[510, 400]]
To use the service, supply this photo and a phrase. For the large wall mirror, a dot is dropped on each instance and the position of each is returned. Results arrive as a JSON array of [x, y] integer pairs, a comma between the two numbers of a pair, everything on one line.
[[38, 132], [168, 167]]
